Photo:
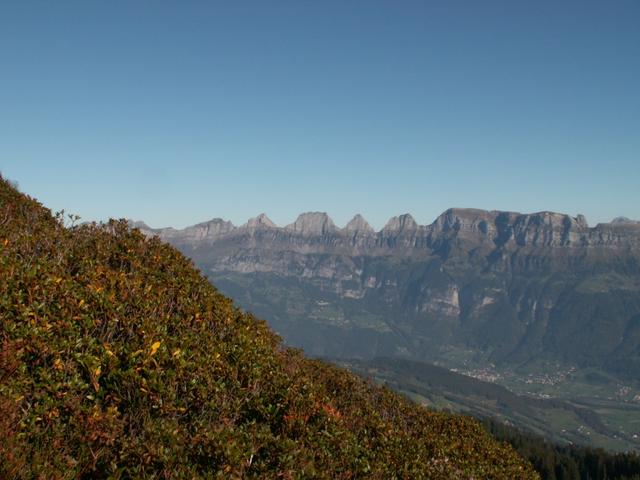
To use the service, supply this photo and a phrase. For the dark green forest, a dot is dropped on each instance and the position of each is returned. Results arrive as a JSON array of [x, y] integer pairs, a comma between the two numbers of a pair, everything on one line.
[[568, 462]]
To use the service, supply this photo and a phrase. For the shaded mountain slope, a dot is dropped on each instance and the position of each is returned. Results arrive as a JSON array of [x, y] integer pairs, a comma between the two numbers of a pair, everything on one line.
[[119, 360]]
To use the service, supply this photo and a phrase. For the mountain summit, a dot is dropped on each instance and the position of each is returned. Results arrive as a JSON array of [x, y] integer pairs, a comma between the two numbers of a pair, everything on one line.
[[261, 221], [312, 223], [624, 221], [401, 223], [358, 225]]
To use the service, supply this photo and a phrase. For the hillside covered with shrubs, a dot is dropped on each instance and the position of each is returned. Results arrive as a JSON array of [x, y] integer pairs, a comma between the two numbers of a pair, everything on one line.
[[118, 359]]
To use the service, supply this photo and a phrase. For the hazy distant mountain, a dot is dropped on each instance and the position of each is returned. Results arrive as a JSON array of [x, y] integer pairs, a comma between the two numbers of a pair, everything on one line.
[[475, 287], [624, 221]]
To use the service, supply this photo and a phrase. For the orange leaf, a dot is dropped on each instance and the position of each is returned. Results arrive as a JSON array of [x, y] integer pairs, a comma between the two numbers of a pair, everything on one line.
[[155, 347]]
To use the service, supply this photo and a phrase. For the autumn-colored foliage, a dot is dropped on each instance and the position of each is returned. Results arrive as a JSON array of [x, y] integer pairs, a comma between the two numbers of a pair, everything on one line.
[[119, 360]]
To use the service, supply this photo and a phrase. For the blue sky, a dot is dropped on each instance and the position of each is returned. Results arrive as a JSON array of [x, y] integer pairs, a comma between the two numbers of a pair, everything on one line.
[[177, 112]]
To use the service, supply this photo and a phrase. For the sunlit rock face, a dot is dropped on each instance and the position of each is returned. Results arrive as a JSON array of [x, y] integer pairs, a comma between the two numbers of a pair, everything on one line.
[[505, 286]]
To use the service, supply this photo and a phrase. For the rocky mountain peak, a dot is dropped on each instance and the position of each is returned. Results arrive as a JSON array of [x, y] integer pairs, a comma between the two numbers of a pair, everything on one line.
[[581, 221], [312, 223], [624, 221], [401, 223], [552, 220], [358, 225], [214, 221], [210, 230], [465, 219], [261, 221], [138, 224]]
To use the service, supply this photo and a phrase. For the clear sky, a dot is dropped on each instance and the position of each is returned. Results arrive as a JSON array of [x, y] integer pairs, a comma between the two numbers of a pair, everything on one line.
[[174, 112]]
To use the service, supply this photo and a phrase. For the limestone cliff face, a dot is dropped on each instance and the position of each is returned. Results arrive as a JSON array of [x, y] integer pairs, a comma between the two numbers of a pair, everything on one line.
[[514, 286], [624, 221], [403, 236], [314, 247], [313, 223], [358, 226], [259, 222]]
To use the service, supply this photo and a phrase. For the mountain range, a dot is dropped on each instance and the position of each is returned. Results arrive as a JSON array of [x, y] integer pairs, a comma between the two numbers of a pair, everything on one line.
[[474, 288], [540, 303]]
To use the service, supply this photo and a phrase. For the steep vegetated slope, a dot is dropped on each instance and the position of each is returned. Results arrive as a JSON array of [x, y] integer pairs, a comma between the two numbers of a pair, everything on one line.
[[119, 360]]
